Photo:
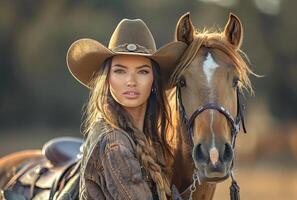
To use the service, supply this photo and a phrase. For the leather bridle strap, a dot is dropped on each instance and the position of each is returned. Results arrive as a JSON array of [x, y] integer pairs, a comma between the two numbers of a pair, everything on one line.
[[235, 123], [213, 106]]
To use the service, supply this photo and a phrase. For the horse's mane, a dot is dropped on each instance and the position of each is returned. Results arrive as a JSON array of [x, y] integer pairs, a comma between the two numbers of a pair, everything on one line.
[[217, 41]]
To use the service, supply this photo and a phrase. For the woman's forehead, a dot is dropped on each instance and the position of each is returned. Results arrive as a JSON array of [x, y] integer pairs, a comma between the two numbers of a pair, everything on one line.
[[131, 61]]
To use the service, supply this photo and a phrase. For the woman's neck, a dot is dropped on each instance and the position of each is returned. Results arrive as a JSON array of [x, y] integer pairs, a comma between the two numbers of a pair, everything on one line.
[[137, 114]]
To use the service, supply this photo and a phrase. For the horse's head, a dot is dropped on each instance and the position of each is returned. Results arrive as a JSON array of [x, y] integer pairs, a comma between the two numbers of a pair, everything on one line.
[[209, 78]]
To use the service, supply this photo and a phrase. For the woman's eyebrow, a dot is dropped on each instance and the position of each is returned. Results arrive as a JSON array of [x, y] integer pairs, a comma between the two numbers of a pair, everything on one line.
[[119, 65], [143, 66], [139, 67]]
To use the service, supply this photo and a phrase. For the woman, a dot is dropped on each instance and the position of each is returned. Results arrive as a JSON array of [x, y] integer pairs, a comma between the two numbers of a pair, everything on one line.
[[126, 117]]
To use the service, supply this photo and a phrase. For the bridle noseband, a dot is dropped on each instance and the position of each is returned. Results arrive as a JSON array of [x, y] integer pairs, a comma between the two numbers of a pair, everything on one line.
[[235, 123]]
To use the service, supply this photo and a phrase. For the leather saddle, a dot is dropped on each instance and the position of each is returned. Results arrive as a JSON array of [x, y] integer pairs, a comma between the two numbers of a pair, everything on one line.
[[46, 177], [60, 151]]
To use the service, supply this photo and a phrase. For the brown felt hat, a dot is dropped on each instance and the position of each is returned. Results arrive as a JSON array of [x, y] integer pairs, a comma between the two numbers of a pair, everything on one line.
[[131, 37]]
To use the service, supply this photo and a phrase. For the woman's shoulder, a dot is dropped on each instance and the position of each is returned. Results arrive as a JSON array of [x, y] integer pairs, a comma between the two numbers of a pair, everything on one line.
[[113, 139], [104, 137], [100, 142]]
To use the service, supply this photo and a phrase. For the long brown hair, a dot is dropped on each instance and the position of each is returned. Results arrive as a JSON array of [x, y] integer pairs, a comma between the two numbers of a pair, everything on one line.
[[149, 143]]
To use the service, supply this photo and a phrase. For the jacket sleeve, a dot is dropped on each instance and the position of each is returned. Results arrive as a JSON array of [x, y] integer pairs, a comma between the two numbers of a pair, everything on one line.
[[93, 193], [123, 175]]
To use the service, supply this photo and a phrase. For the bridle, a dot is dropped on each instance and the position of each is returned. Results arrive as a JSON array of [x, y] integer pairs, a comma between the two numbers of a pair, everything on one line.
[[235, 128], [235, 123]]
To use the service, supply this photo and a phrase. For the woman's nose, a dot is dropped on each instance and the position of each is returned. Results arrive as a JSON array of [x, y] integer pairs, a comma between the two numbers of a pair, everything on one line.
[[131, 82]]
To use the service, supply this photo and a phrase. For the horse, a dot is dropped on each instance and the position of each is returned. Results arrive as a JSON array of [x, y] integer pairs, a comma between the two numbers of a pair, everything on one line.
[[206, 107]]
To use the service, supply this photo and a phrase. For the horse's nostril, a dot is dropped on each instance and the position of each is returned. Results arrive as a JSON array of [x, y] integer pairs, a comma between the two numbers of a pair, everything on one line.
[[200, 155], [228, 153]]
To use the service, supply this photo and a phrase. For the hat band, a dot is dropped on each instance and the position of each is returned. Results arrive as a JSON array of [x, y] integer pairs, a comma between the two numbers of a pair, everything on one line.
[[130, 47]]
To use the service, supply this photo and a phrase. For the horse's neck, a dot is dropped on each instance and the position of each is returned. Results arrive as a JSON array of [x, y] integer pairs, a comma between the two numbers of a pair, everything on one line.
[[183, 165], [180, 144]]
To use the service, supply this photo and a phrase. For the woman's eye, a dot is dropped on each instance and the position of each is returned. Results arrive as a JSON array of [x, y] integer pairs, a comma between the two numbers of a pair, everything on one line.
[[119, 71], [143, 72]]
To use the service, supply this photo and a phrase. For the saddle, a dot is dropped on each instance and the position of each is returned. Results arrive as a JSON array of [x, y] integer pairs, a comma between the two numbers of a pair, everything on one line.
[[46, 178]]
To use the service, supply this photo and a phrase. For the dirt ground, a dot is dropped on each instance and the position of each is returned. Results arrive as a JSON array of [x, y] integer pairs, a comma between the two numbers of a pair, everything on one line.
[[262, 183]]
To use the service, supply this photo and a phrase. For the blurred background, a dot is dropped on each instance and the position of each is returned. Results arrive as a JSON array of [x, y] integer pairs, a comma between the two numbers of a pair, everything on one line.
[[40, 100]]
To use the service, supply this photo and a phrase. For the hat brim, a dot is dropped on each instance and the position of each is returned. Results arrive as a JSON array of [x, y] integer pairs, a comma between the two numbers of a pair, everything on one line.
[[86, 56]]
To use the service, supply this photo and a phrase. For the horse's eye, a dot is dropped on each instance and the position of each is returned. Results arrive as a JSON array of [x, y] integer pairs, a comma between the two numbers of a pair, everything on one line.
[[235, 81], [182, 82]]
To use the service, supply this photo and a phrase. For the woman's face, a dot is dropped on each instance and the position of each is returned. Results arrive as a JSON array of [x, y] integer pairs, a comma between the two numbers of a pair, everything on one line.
[[130, 80]]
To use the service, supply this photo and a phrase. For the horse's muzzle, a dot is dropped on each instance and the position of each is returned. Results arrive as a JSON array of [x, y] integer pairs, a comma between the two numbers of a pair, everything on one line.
[[214, 164]]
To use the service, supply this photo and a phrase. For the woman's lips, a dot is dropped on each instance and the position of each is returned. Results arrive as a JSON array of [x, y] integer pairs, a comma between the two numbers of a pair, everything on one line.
[[131, 94]]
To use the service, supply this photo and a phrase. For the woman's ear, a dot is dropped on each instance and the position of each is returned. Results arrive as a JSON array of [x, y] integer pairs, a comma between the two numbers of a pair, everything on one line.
[[184, 31], [233, 31]]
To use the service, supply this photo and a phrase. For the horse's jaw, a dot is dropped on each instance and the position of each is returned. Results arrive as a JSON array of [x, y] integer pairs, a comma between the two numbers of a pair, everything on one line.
[[214, 178], [211, 174]]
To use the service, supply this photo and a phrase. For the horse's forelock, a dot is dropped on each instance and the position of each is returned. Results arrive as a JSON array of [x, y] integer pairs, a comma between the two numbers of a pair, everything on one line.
[[218, 41]]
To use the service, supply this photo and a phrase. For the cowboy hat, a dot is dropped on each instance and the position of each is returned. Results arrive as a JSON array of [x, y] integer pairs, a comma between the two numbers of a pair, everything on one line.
[[131, 37]]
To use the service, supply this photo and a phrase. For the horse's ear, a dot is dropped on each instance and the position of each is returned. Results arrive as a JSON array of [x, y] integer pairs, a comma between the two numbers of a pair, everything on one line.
[[234, 31], [184, 29]]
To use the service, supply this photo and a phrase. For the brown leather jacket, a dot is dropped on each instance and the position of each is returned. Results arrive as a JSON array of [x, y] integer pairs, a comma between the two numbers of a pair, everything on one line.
[[110, 168]]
